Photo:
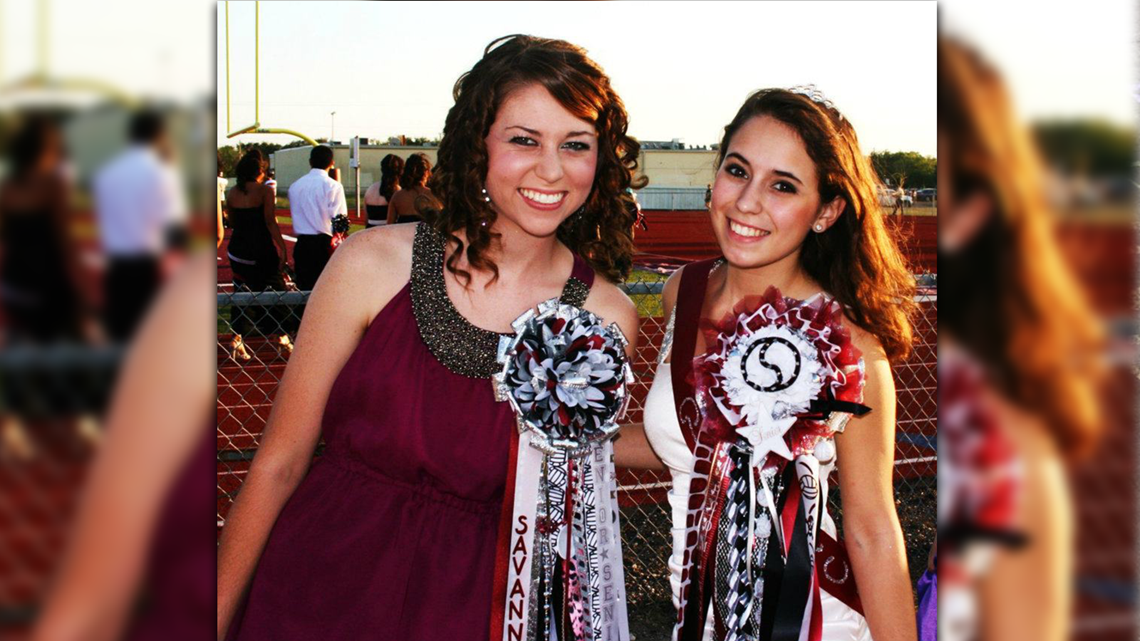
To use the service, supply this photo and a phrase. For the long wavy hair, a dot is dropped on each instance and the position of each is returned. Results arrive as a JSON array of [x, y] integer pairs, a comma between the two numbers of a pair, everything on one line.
[[857, 260], [415, 168], [390, 169], [1007, 296], [29, 144], [249, 168], [602, 232]]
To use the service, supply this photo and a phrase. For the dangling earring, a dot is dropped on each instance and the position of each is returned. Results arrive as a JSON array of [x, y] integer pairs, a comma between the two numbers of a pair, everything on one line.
[[486, 197]]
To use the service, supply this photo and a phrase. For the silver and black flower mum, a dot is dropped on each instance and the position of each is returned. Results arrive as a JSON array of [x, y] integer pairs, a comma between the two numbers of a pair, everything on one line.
[[340, 224], [565, 375]]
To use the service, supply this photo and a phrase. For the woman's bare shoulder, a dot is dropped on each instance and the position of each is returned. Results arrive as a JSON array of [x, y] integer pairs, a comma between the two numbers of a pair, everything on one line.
[[387, 248], [669, 290], [608, 301], [368, 270], [867, 343]]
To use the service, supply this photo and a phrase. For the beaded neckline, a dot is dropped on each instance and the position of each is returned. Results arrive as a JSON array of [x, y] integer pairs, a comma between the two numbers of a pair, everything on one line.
[[456, 343]]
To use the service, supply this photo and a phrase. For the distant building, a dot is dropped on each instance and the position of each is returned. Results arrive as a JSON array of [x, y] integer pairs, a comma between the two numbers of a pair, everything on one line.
[[667, 164], [660, 144]]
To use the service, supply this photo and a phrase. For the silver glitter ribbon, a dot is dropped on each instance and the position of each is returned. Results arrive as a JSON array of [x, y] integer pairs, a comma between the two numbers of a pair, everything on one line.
[[566, 376]]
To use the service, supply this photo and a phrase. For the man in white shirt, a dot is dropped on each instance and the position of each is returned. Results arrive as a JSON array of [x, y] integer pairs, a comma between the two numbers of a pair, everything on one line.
[[140, 206], [313, 201], [271, 182], [223, 184]]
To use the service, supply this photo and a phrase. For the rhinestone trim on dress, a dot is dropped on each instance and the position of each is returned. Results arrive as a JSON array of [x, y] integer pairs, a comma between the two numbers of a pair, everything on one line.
[[458, 345]]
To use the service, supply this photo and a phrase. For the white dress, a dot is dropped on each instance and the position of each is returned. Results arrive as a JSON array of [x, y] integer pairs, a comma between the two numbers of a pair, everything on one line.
[[840, 622]]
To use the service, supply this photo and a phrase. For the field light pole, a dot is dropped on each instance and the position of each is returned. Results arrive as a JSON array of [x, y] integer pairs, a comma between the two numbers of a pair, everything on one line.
[[332, 134], [354, 161]]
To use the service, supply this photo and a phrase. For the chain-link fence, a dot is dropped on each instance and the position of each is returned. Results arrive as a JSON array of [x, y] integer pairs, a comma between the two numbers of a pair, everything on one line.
[[50, 399], [249, 373]]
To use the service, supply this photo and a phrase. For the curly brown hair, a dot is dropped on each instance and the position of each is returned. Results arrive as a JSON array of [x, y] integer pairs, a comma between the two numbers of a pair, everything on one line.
[[602, 231], [390, 170], [857, 260]]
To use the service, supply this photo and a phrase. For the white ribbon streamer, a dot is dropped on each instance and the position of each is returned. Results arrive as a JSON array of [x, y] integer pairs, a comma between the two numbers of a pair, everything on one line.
[[604, 581], [523, 552], [611, 622]]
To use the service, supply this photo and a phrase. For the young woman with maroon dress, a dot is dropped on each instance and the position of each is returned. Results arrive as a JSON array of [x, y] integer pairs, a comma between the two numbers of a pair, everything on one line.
[[395, 530]]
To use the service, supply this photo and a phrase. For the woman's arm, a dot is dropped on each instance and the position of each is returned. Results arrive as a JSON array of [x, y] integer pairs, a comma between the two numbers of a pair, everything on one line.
[[632, 448], [866, 451], [221, 227], [160, 412], [606, 300], [271, 222], [1026, 594], [335, 319]]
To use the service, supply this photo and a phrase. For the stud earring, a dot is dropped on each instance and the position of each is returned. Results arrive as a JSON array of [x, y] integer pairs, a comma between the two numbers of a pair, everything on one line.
[[819, 227]]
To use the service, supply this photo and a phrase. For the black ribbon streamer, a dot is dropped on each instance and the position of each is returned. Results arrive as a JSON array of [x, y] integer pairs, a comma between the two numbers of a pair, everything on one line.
[[956, 536], [826, 406], [787, 585]]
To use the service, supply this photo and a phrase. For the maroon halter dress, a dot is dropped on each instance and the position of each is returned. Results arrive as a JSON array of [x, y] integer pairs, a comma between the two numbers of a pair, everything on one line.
[[393, 533]]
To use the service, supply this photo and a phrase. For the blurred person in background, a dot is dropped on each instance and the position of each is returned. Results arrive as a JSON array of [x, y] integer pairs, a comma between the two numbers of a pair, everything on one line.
[[40, 277], [403, 207], [1020, 361], [636, 217], [256, 251], [138, 203], [314, 199], [222, 182], [39, 268], [380, 192], [271, 184], [221, 231], [139, 564]]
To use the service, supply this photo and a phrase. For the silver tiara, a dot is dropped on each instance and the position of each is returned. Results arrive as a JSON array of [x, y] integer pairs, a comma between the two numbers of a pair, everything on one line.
[[815, 95]]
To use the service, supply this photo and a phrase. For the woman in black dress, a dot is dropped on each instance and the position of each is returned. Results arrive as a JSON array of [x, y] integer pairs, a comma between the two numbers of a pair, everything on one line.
[[403, 207], [256, 252], [378, 196], [40, 301], [38, 266]]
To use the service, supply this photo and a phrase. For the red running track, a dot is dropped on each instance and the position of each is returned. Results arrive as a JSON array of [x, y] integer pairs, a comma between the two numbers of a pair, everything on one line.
[[678, 237]]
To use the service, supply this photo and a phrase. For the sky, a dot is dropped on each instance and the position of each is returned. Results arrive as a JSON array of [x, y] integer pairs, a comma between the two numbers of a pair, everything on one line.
[[1063, 61], [144, 48], [682, 68]]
